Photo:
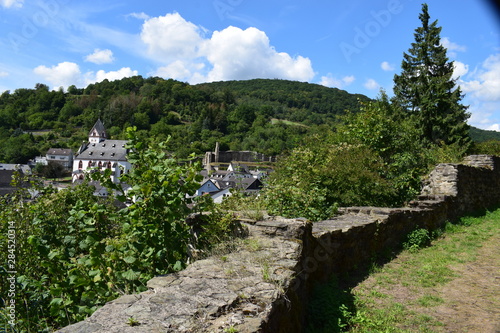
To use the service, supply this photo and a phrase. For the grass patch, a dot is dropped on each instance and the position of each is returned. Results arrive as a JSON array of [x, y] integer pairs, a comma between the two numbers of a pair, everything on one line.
[[275, 121], [430, 300], [399, 296]]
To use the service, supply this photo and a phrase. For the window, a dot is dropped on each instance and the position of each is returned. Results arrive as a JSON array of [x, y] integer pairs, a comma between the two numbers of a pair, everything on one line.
[[80, 164]]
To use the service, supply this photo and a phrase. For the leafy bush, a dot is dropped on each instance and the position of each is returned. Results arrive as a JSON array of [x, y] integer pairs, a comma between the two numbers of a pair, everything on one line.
[[490, 147], [316, 178], [417, 239], [75, 252]]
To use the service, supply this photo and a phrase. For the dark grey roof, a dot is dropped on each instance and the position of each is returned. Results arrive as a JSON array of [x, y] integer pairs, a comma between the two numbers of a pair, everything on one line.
[[59, 151], [109, 150], [24, 168], [6, 177], [99, 127]]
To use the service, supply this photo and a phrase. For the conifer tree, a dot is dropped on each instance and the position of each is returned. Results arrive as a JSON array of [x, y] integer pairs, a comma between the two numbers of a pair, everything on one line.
[[425, 88]]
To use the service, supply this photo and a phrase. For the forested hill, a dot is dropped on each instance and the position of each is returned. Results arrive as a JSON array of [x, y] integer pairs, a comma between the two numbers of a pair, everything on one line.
[[269, 116], [479, 135], [293, 95]]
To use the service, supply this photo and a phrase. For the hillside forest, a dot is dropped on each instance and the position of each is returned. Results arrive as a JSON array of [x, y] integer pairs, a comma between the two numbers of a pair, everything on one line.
[[269, 116]]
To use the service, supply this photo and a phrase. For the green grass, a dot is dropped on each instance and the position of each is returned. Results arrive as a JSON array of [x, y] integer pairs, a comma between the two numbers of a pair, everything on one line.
[[385, 300], [275, 121]]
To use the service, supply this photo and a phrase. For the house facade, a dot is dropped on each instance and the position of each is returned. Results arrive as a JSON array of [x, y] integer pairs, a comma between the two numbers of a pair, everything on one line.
[[60, 156], [101, 153], [238, 176]]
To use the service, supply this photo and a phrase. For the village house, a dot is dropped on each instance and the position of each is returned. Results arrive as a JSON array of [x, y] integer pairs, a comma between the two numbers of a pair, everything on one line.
[[61, 156], [101, 153], [7, 172], [219, 183]]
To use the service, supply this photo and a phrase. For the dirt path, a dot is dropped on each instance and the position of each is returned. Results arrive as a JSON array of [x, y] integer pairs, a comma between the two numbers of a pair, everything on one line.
[[468, 302], [472, 300]]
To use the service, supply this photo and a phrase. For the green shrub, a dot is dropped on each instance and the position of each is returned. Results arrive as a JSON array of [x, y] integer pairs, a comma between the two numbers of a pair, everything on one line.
[[317, 178], [417, 239], [75, 252]]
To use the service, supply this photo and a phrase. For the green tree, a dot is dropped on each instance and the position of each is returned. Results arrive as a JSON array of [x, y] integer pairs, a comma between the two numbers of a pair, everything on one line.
[[155, 232], [380, 127], [316, 178], [425, 88]]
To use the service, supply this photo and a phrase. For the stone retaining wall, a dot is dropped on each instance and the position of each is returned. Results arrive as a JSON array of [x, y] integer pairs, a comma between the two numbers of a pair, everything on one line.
[[264, 285]]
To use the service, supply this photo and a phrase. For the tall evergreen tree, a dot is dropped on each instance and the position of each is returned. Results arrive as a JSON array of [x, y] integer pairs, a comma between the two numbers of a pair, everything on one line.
[[425, 88]]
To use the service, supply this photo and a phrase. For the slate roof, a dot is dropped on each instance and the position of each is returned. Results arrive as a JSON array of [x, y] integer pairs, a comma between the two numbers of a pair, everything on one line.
[[99, 127], [6, 173], [6, 177], [60, 151], [109, 150]]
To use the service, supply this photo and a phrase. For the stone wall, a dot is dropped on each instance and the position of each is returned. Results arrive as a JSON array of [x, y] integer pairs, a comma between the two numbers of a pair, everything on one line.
[[264, 285], [236, 156]]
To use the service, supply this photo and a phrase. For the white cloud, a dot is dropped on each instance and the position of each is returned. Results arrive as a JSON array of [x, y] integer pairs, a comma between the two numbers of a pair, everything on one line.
[[229, 54], [244, 54], [485, 84], [3, 74], [171, 37], [386, 66], [111, 76], [100, 57], [451, 47], [140, 16], [180, 70], [494, 127], [64, 74], [445, 41], [482, 89], [371, 84], [459, 69], [11, 3], [330, 81]]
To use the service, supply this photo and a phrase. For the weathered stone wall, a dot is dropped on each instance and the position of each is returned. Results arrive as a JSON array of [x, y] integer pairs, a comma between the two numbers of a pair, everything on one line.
[[264, 285], [238, 156]]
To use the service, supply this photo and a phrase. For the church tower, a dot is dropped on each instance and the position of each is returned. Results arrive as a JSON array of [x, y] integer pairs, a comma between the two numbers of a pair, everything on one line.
[[97, 133]]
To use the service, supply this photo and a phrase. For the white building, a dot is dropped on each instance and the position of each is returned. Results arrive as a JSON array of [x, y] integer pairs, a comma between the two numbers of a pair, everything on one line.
[[61, 156], [101, 153]]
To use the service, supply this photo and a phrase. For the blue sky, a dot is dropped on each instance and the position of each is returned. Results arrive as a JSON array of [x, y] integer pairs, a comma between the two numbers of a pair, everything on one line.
[[353, 45]]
